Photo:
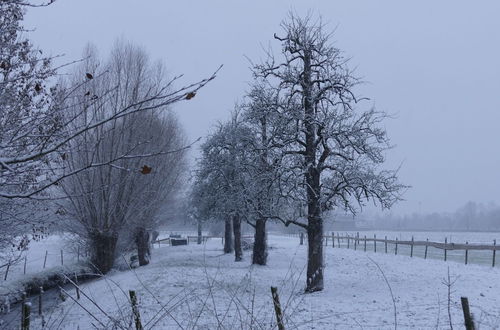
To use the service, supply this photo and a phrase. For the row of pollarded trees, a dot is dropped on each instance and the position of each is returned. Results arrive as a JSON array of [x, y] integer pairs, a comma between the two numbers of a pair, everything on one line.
[[103, 144], [123, 202], [300, 138]]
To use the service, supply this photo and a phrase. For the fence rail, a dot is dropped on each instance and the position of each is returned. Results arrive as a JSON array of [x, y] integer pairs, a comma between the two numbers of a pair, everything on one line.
[[437, 245], [446, 246]]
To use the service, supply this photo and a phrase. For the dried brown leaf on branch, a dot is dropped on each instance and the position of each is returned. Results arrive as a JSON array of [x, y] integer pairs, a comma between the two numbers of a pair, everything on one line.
[[146, 169], [190, 95]]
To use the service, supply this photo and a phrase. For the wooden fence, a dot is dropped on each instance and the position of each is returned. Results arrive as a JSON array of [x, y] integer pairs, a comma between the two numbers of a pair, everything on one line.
[[446, 246]]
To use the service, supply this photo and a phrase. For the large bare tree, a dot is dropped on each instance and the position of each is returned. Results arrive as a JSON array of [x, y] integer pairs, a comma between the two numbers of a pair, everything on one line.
[[331, 149], [144, 152]]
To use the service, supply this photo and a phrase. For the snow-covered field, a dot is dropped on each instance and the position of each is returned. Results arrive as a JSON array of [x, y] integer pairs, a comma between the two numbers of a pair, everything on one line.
[[37, 250], [43, 258], [197, 286]]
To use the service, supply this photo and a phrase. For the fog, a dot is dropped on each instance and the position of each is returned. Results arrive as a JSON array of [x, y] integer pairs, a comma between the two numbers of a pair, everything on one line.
[[432, 65]]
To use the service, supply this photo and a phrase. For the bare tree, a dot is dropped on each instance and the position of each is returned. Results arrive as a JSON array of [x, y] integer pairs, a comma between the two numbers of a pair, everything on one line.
[[263, 200], [157, 192], [238, 173], [221, 179], [331, 149], [144, 153], [33, 113]]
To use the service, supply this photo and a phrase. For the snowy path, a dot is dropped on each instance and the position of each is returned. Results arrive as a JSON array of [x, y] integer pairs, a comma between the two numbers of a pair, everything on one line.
[[198, 287]]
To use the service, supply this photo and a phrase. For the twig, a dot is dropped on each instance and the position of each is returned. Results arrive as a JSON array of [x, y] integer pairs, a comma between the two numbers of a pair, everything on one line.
[[390, 290]]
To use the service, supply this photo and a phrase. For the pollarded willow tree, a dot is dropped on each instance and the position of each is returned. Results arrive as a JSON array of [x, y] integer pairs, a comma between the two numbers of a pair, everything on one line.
[[144, 151], [331, 149]]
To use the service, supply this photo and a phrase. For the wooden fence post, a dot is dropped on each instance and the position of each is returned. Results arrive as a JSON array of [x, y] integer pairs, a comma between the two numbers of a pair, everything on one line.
[[348, 242], [301, 238], [23, 301], [45, 259], [445, 251], [466, 253], [494, 252], [7, 304], [355, 243], [26, 311], [277, 308], [77, 288], [375, 243], [396, 247], [411, 248], [469, 320], [25, 260], [385, 243], [135, 310], [333, 239], [62, 260], [40, 311], [78, 254], [338, 238], [7, 271], [365, 243], [426, 246]]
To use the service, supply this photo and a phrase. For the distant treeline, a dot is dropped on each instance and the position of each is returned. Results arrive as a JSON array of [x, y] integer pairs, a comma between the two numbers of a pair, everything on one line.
[[470, 217]]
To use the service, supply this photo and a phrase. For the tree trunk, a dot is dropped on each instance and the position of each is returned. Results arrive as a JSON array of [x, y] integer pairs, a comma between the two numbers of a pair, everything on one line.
[[259, 256], [103, 247], [312, 176], [315, 255], [199, 232], [228, 236], [142, 242], [314, 232], [238, 254]]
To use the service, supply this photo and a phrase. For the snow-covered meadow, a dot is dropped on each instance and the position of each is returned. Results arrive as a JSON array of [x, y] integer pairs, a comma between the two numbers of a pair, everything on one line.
[[41, 260], [45, 254], [199, 287]]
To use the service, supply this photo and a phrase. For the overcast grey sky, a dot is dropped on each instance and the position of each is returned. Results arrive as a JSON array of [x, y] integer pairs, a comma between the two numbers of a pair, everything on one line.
[[435, 65]]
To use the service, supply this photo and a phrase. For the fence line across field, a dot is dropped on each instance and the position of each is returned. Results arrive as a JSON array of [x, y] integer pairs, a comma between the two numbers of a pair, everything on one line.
[[437, 245], [446, 246], [34, 265]]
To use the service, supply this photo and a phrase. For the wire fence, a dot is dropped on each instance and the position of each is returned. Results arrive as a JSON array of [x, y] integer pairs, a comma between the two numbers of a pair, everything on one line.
[[26, 265]]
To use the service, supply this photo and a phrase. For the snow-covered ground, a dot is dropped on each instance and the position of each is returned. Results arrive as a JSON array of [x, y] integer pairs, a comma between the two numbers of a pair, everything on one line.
[[43, 259], [36, 252], [197, 286]]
